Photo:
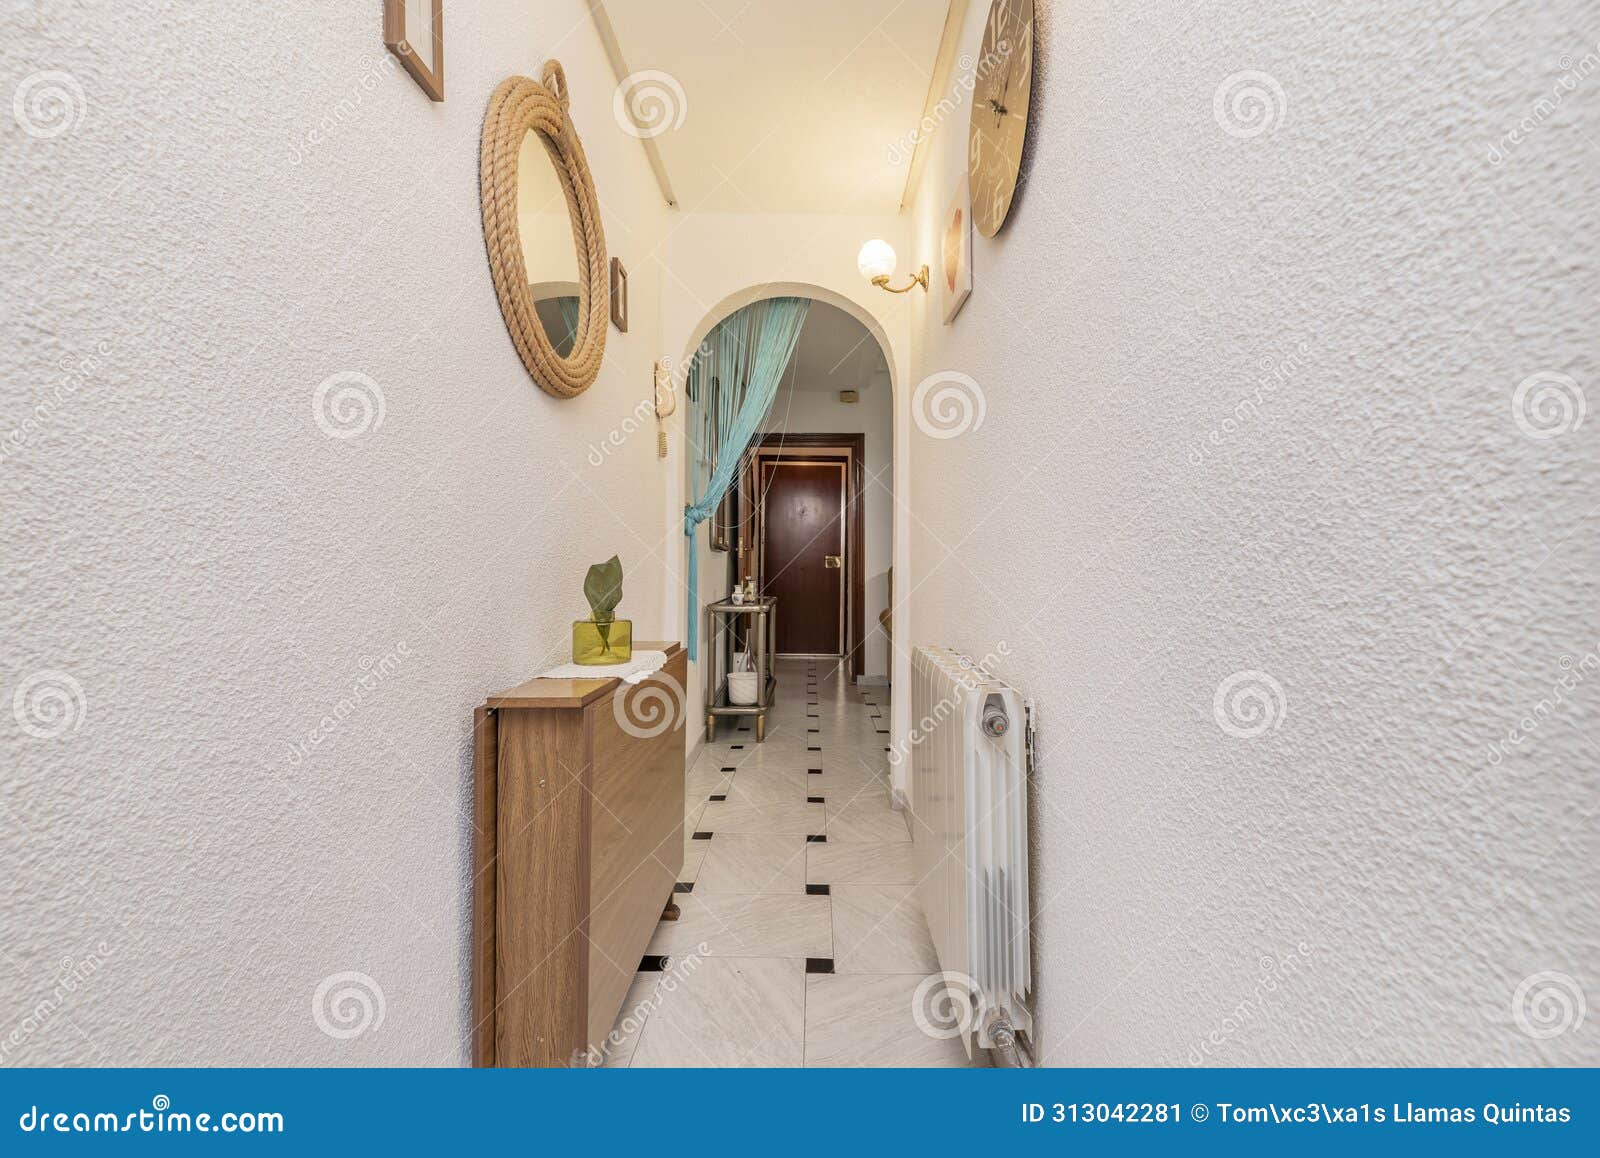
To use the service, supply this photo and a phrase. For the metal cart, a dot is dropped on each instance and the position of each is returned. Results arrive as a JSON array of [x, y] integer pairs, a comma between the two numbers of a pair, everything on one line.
[[760, 635]]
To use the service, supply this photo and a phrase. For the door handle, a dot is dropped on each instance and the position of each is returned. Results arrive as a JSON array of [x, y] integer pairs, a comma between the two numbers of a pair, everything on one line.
[[832, 562]]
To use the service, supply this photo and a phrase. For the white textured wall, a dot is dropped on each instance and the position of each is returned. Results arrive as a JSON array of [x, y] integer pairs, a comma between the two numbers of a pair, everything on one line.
[[256, 198], [1378, 534]]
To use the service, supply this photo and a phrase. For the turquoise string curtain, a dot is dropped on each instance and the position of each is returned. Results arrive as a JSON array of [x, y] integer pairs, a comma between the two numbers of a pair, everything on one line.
[[732, 381]]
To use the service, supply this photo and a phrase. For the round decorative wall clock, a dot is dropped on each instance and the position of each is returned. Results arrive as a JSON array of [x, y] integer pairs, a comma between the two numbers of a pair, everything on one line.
[[1004, 82]]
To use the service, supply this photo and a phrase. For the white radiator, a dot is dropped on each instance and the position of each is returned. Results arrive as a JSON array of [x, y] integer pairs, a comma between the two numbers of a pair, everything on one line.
[[969, 813]]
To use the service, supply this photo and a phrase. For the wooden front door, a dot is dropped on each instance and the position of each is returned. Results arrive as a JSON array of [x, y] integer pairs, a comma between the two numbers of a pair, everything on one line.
[[802, 552]]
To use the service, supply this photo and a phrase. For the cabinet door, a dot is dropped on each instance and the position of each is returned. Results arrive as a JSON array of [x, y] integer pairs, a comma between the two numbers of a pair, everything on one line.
[[542, 888], [636, 851]]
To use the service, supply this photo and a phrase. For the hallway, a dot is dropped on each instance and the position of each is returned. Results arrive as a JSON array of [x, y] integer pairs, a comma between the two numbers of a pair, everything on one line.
[[800, 940], [1187, 411]]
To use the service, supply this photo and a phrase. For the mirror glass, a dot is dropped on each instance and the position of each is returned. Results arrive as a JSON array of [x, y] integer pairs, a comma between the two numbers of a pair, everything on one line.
[[548, 248]]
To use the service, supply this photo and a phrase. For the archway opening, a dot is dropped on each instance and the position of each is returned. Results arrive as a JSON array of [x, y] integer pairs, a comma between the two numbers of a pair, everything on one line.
[[827, 440]]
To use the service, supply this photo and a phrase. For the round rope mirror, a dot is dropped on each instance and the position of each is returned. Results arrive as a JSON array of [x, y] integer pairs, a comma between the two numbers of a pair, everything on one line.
[[556, 303]]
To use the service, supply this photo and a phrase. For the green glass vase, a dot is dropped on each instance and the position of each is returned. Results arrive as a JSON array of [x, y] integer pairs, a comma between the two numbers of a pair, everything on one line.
[[602, 641]]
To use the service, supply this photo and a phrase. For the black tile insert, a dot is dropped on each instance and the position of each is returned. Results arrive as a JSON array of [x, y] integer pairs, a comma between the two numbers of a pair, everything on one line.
[[683, 887], [702, 836], [655, 964], [814, 771], [736, 747], [813, 748], [718, 796], [816, 800], [816, 840], [819, 964], [818, 890]]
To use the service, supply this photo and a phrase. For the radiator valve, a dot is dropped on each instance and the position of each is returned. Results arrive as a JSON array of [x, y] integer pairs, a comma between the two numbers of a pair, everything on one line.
[[1000, 1033]]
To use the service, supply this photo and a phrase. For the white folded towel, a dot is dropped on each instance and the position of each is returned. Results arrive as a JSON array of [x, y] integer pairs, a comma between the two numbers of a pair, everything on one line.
[[634, 671]]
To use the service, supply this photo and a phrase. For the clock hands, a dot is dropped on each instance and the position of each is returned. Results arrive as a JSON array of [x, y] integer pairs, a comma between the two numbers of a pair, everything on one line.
[[999, 112]]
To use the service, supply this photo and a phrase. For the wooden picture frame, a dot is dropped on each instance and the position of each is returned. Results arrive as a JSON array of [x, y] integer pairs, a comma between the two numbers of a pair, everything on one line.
[[403, 42], [619, 295]]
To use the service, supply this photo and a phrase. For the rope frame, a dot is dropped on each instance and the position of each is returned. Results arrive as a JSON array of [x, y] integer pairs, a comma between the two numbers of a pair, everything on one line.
[[520, 105]]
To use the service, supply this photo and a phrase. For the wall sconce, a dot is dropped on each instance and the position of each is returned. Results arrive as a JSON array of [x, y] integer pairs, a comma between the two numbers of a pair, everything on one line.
[[876, 262]]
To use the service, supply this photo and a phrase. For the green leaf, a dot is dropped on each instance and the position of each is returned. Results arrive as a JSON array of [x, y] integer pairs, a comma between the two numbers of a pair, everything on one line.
[[603, 587]]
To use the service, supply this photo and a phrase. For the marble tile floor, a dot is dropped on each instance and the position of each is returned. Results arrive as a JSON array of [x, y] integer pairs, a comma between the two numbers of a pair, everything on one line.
[[801, 942]]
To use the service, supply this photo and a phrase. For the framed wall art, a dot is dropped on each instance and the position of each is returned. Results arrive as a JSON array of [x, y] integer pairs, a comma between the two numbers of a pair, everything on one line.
[[955, 253], [619, 295], [414, 31]]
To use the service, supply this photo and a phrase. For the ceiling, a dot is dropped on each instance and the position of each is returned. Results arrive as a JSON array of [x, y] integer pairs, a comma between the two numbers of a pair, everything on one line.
[[778, 106], [834, 352]]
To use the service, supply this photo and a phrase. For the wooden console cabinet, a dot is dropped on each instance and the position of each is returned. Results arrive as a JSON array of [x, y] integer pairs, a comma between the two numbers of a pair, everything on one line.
[[578, 816]]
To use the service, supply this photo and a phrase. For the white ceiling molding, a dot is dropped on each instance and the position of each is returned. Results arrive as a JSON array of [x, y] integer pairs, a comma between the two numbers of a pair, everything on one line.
[[943, 68], [619, 72]]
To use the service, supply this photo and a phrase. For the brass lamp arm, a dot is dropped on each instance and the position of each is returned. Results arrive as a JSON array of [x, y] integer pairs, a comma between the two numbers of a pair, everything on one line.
[[882, 282]]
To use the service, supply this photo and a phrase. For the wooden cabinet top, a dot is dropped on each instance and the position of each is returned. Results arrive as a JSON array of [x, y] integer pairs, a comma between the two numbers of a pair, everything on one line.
[[569, 693]]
